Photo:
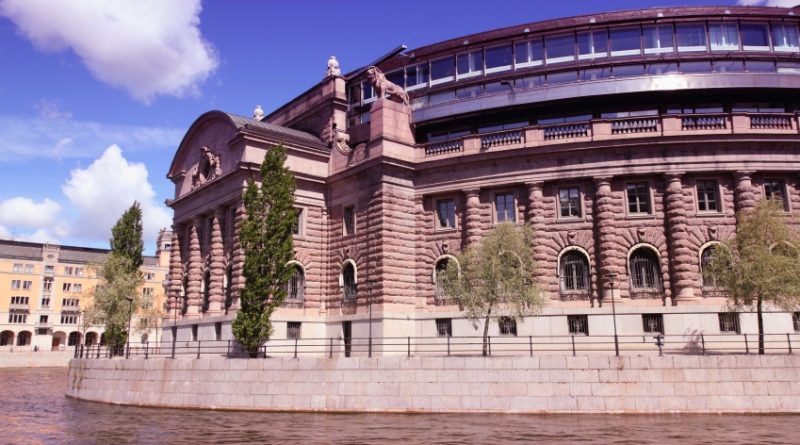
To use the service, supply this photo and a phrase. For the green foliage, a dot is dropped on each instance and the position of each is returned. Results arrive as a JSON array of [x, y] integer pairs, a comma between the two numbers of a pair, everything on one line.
[[760, 264], [266, 238], [111, 304], [493, 278], [126, 236]]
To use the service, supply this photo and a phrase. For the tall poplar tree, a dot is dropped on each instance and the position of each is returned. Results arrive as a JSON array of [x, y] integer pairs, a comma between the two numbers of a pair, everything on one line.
[[126, 236], [266, 237]]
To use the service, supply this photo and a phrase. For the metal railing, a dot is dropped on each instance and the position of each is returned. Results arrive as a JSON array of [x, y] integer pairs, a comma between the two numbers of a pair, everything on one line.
[[695, 344]]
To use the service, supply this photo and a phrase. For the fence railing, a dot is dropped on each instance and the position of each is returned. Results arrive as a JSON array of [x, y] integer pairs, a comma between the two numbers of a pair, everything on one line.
[[696, 344]]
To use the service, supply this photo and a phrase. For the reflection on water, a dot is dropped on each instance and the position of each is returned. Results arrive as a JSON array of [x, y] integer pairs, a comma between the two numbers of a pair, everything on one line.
[[36, 412]]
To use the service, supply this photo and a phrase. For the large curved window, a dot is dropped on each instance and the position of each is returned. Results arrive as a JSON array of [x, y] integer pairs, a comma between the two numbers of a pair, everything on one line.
[[709, 280], [440, 294], [645, 270], [295, 287], [574, 275], [349, 282]]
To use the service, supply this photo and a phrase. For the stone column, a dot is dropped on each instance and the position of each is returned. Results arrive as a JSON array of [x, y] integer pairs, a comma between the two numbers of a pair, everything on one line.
[[681, 256], [237, 268], [473, 216], [216, 292], [744, 196], [535, 218], [608, 261], [174, 281], [195, 271]]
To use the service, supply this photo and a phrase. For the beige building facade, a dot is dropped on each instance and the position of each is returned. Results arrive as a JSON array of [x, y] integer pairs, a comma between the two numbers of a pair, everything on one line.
[[45, 289]]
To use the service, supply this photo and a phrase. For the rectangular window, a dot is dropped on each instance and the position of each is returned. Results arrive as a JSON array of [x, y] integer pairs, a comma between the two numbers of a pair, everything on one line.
[[774, 189], [691, 37], [505, 209], [638, 198], [19, 300], [298, 222], [149, 276], [69, 319], [45, 303], [796, 321], [66, 287], [218, 331], [469, 64], [47, 285], [658, 39], [148, 291], [578, 324], [78, 271], [16, 284], [17, 267], [560, 49], [367, 92], [468, 92], [707, 196], [723, 36], [755, 37], [508, 326], [729, 323], [69, 271], [49, 269], [349, 220], [626, 41], [446, 213], [528, 53], [14, 317], [442, 70], [653, 323], [592, 45], [194, 332], [70, 302], [499, 58], [785, 38], [293, 330], [26, 285], [569, 201], [444, 327]]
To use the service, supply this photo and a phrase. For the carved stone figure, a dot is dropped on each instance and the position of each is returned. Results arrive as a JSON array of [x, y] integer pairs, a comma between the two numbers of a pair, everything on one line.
[[333, 67], [208, 169], [383, 86], [258, 113]]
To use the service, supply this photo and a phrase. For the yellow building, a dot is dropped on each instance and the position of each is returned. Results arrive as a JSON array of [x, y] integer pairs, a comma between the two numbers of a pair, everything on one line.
[[45, 289]]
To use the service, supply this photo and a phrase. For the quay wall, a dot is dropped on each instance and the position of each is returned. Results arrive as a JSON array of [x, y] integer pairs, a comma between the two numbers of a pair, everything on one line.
[[552, 384], [35, 359]]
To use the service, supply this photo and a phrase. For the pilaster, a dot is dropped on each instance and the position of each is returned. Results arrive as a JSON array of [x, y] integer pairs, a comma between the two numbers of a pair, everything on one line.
[[195, 272], [680, 249], [216, 293], [472, 216]]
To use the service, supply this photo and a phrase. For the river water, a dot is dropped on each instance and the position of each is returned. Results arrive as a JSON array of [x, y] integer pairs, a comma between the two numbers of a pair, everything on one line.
[[36, 412]]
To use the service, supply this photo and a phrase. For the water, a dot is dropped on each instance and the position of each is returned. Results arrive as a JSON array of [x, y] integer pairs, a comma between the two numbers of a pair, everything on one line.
[[36, 412]]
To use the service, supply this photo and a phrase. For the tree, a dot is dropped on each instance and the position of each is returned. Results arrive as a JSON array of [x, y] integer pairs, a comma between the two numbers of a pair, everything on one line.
[[760, 265], [151, 316], [126, 236], [111, 298], [266, 238], [493, 278]]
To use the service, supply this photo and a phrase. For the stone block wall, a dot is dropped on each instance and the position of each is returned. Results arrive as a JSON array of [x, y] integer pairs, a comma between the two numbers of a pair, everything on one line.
[[558, 384]]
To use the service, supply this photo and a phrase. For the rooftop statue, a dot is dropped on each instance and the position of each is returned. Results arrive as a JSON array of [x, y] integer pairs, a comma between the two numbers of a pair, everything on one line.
[[383, 86], [333, 67], [258, 113]]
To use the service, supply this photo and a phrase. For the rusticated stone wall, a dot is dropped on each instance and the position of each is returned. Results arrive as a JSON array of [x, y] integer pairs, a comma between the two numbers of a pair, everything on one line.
[[551, 384]]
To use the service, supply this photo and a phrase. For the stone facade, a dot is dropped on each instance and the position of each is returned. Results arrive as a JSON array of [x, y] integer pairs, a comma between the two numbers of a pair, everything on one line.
[[626, 180]]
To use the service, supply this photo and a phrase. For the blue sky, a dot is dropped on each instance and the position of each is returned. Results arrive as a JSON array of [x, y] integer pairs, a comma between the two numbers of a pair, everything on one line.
[[95, 95]]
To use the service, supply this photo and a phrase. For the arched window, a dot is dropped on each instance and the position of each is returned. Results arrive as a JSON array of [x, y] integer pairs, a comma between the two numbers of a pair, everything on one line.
[[645, 271], [440, 269], [74, 339], [349, 281], [7, 338], [24, 338], [574, 275], [295, 287], [709, 281], [206, 284], [91, 338], [784, 248]]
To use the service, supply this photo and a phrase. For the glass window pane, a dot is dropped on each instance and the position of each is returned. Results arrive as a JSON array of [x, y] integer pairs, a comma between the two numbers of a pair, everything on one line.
[[443, 69], [628, 70], [691, 37], [758, 66], [595, 73], [564, 77], [441, 97], [592, 44], [661, 68], [529, 53], [396, 77], [464, 93], [626, 42], [498, 58], [696, 67], [560, 48], [530, 82], [755, 37], [469, 64], [728, 66], [785, 38], [417, 75], [658, 39], [723, 37]]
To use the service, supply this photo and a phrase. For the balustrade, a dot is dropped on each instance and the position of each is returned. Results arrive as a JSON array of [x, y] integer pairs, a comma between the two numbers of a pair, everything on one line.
[[507, 137]]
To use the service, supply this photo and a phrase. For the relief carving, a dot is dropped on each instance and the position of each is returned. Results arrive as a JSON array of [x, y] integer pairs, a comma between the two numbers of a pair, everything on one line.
[[208, 169], [383, 87]]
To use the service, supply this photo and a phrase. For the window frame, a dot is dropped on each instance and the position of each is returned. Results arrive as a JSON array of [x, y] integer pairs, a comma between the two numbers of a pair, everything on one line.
[[529, 53], [349, 229], [735, 320], [299, 230], [499, 68], [444, 327], [349, 290], [472, 71], [649, 195], [653, 320], [578, 324], [656, 269], [560, 204], [298, 270], [507, 326], [294, 330], [717, 196], [661, 30], [495, 212], [438, 218], [768, 35], [586, 276], [782, 189]]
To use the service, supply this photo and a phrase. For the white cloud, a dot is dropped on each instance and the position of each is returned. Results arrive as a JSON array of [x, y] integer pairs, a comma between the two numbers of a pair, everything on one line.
[[778, 3], [5, 233], [147, 47], [51, 137], [25, 212], [103, 191]]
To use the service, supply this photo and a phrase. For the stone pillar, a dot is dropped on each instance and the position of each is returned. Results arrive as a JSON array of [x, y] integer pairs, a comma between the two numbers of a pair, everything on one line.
[[609, 264], [535, 218], [175, 278], [473, 216], [195, 271], [216, 292], [681, 256], [237, 269], [744, 196]]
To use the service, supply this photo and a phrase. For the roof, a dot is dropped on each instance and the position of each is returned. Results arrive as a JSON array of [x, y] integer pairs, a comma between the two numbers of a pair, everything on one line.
[[242, 122], [24, 250]]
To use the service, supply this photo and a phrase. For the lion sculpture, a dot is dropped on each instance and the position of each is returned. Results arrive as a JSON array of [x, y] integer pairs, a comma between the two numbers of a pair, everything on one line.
[[384, 87]]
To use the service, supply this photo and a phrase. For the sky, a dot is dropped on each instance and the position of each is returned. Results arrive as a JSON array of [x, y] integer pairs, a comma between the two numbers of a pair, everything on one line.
[[95, 95]]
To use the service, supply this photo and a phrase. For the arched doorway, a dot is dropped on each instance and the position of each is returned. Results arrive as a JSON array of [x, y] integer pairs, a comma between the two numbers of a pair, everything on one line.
[[74, 338], [7, 338], [59, 339], [91, 338], [24, 338]]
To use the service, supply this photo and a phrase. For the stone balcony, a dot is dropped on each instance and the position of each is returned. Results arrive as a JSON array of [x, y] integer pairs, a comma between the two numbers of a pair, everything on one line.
[[667, 125], [19, 307]]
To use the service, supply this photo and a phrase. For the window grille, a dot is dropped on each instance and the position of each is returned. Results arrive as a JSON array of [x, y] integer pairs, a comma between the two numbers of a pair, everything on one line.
[[653, 323], [729, 323], [295, 287], [444, 327], [645, 271], [349, 282], [293, 330], [574, 274], [578, 324], [508, 326], [441, 269]]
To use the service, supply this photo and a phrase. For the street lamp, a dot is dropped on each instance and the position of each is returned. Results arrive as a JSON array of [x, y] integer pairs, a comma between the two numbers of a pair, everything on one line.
[[128, 334], [612, 277]]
